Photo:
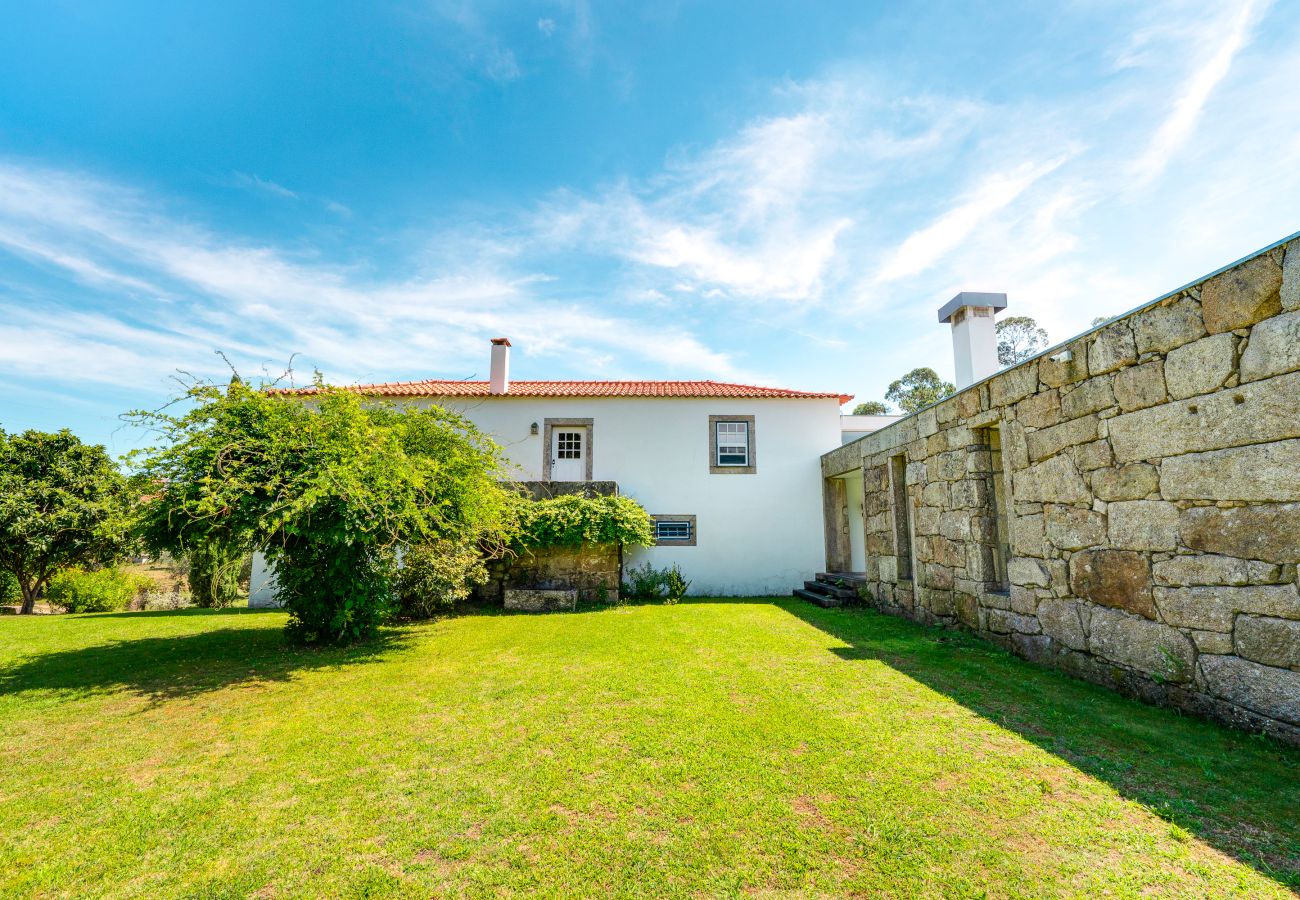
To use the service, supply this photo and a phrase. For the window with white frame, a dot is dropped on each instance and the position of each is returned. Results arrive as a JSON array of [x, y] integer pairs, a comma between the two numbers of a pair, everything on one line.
[[733, 444]]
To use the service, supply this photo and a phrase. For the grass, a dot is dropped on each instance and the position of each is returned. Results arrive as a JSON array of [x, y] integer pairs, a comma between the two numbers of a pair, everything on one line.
[[710, 748]]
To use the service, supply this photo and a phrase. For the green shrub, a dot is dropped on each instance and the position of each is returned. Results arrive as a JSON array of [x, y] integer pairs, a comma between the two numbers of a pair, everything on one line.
[[334, 592], [675, 584], [10, 592], [438, 575], [645, 582], [100, 590], [573, 520]]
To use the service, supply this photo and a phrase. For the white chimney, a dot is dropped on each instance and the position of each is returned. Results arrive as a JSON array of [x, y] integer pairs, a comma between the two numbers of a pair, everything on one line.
[[500, 382], [974, 342]]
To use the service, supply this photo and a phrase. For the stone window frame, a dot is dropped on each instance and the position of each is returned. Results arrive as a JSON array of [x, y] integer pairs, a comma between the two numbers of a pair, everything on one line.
[[714, 468], [676, 517], [549, 425]]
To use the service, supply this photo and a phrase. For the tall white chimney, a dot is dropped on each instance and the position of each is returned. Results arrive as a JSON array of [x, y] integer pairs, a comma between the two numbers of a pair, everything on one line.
[[500, 380], [974, 342]]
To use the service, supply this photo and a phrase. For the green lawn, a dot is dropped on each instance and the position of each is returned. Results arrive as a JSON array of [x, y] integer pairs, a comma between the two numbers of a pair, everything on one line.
[[711, 748]]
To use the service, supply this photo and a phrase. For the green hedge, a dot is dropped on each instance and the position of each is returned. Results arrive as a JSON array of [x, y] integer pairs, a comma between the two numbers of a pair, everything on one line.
[[572, 520], [103, 590]]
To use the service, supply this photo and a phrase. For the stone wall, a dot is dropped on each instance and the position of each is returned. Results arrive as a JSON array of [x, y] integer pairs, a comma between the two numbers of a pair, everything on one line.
[[1150, 502], [593, 570]]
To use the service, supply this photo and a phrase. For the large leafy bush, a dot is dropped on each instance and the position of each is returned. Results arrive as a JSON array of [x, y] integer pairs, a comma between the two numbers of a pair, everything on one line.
[[98, 590], [573, 520], [328, 485]]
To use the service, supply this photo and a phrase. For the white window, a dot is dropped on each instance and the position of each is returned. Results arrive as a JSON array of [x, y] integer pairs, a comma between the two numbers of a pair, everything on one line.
[[733, 443], [568, 444]]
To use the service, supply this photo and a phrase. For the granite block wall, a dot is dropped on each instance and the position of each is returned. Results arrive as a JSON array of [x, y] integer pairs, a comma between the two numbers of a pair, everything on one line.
[[1125, 507]]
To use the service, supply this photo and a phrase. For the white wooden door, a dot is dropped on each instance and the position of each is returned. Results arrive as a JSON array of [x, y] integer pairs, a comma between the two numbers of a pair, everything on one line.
[[569, 449]]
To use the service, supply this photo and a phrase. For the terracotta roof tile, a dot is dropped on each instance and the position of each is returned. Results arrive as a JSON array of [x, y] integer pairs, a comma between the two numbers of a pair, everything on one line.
[[435, 388]]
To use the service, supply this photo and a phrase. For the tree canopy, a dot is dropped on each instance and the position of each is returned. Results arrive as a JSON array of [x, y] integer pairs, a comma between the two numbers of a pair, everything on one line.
[[918, 389], [328, 485], [871, 408], [1019, 337], [62, 503]]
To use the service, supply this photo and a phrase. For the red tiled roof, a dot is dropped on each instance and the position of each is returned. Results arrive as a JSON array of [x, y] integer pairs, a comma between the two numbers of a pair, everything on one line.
[[435, 388]]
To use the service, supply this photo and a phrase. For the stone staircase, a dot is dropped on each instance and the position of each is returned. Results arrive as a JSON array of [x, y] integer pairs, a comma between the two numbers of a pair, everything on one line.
[[831, 589]]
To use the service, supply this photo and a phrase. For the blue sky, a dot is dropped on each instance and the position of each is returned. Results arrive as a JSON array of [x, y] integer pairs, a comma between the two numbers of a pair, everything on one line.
[[763, 192]]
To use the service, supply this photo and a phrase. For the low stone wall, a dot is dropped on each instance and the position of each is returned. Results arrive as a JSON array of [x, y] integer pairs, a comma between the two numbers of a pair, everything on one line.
[[593, 570], [1125, 507], [546, 490]]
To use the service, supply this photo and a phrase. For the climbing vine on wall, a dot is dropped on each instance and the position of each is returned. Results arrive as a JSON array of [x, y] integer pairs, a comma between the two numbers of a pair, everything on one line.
[[573, 520]]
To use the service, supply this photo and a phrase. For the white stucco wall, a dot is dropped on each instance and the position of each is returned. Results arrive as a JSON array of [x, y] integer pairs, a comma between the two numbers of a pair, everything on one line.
[[854, 427], [261, 584], [756, 534]]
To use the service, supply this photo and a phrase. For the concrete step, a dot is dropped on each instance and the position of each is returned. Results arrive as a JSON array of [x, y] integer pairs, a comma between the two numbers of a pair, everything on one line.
[[823, 600], [822, 587], [850, 579]]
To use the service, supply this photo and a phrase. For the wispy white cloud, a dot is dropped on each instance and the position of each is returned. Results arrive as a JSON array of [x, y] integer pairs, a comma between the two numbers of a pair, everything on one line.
[[838, 217], [923, 248], [253, 182], [761, 215], [1222, 39], [200, 292], [500, 65]]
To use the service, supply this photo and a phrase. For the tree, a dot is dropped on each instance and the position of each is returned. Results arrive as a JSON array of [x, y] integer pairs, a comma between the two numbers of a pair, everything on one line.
[[871, 408], [1100, 319], [62, 503], [328, 485], [1019, 338], [918, 389]]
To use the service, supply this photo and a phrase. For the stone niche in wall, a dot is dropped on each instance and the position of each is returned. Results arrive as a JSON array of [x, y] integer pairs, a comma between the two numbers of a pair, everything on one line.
[[1145, 533], [593, 570]]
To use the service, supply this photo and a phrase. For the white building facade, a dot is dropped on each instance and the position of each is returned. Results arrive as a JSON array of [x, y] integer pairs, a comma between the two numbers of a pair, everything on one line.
[[731, 473]]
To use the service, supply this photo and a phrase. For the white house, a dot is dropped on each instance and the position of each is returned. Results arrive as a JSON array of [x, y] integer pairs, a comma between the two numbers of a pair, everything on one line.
[[731, 473]]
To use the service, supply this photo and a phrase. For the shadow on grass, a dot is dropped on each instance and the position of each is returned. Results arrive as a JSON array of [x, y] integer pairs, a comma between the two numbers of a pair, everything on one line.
[[169, 666], [1236, 791]]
